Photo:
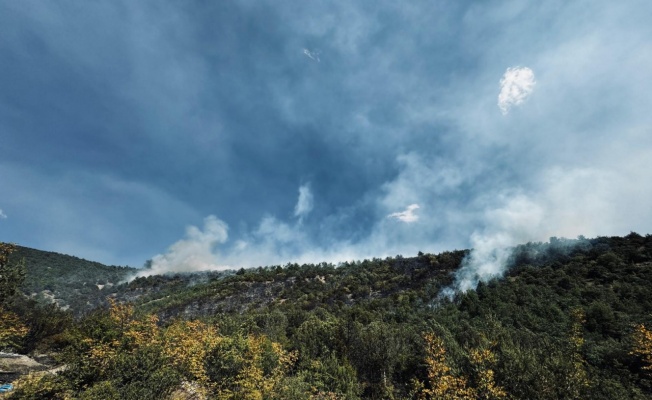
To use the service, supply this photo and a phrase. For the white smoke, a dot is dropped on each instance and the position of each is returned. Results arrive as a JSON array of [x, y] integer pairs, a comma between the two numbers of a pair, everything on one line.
[[408, 215], [516, 86], [568, 203], [195, 252], [518, 221]]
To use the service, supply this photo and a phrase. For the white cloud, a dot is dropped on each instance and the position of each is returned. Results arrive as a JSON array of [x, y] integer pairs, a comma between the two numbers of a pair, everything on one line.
[[406, 215], [2, 214], [515, 86], [305, 202]]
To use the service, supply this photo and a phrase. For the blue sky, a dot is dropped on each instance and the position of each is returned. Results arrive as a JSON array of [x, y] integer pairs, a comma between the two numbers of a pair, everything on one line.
[[246, 133]]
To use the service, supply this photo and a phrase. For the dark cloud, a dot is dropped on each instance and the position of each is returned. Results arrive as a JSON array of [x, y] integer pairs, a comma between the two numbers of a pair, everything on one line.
[[123, 122]]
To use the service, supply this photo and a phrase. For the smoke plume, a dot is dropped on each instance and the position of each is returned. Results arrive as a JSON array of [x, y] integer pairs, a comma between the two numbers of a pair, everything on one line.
[[518, 221], [195, 252], [568, 203]]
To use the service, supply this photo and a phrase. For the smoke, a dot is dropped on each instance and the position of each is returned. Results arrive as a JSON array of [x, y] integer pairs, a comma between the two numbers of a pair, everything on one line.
[[519, 220], [516, 86], [566, 203], [195, 252], [560, 202], [272, 241]]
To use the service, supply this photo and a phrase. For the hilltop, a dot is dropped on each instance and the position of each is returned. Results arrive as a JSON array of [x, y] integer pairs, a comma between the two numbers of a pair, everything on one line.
[[80, 286]]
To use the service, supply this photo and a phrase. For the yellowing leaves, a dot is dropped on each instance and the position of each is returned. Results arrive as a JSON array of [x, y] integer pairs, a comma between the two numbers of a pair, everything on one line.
[[443, 384], [12, 330], [187, 343], [222, 367], [484, 361], [576, 379], [643, 345], [250, 367]]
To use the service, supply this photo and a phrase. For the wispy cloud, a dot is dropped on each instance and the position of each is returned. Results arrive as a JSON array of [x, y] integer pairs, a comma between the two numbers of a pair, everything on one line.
[[408, 215], [313, 55], [304, 203], [2, 214], [515, 86]]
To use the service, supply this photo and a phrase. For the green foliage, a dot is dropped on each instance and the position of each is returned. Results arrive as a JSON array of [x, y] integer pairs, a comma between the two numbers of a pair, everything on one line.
[[12, 272], [39, 386], [68, 281], [12, 328], [567, 321]]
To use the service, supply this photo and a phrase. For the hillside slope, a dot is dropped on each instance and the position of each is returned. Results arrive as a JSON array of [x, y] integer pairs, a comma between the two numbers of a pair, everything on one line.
[[527, 318], [567, 321], [70, 282]]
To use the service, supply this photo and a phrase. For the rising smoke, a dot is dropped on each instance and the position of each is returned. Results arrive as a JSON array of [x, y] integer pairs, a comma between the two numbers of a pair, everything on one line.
[[196, 252], [567, 204], [518, 221]]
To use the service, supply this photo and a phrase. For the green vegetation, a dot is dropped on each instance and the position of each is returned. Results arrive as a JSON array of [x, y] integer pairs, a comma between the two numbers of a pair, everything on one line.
[[12, 330], [12, 273], [569, 321], [68, 281]]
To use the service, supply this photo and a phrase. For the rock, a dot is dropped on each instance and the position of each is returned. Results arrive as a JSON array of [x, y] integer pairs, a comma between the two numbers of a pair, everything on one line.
[[13, 366]]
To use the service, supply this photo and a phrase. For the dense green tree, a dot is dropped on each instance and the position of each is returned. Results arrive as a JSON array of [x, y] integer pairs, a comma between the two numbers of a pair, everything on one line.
[[12, 273]]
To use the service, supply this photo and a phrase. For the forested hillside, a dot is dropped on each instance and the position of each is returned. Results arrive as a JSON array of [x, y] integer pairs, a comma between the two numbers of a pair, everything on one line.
[[68, 281], [568, 321], [80, 285]]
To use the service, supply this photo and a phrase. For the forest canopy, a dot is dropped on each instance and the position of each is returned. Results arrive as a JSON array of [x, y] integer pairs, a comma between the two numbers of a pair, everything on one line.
[[569, 320]]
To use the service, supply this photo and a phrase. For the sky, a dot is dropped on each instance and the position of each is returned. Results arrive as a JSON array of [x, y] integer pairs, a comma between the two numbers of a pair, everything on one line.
[[208, 135]]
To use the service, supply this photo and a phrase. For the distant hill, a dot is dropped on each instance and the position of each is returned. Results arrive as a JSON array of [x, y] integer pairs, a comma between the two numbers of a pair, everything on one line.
[[68, 281], [79, 285], [577, 270], [307, 286]]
